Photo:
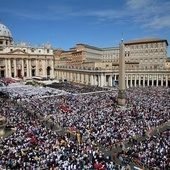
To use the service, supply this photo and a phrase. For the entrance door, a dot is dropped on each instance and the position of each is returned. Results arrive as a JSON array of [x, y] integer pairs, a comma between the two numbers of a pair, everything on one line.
[[19, 74], [48, 71]]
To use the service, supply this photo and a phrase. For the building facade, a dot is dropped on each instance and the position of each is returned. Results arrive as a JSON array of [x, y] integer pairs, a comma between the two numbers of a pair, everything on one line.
[[21, 60], [146, 62]]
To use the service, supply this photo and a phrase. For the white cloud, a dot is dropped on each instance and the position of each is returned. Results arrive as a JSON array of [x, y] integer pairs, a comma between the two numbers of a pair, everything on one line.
[[158, 22], [136, 4], [153, 14]]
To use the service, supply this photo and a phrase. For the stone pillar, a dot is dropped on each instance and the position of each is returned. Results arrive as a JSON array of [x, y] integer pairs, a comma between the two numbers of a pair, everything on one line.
[[101, 80], [162, 80], [121, 93], [135, 80], [148, 79], [9, 67], [15, 68], [110, 81], [157, 79], [131, 85], [28, 75], [6, 68], [36, 68], [22, 68], [30, 68], [144, 80], [139, 80], [166, 80], [91, 80]]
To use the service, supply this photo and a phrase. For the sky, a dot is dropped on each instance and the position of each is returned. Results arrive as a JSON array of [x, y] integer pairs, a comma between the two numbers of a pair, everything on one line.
[[99, 23]]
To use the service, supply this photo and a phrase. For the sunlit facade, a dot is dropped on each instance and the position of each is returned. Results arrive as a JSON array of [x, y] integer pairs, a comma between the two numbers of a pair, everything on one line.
[[146, 62], [21, 60]]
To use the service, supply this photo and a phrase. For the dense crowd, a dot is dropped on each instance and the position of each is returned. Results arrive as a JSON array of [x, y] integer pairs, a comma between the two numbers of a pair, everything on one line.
[[91, 121], [76, 88], [153, 152]]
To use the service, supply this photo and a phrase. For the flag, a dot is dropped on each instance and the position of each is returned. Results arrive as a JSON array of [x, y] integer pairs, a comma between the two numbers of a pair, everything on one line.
[[64, 108]]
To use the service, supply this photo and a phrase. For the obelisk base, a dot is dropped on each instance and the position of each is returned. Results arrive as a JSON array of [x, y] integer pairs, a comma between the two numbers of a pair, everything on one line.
[[121, 98]]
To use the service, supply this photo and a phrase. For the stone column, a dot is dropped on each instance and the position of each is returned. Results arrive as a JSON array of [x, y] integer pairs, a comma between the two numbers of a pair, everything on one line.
[[15, 68], [102, 80], [157, 79], [27, 62], [166, 80], [139, 80], [135, 80], [162, 80], [6, 68], [22, 67], [131, 85], [121, 93], [91, 80], [144, 80], [9, 67], [110, 81], [36, 67], [148, 79], [30, 68]]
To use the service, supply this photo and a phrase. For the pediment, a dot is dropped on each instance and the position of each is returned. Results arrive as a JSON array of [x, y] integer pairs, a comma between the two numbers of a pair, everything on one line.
[[18, 52]]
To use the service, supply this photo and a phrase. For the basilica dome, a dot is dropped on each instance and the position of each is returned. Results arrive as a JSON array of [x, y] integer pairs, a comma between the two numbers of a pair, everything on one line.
[[4, 31]]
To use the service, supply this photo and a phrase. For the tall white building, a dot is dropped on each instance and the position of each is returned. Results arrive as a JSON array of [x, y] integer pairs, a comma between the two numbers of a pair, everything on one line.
[[23, 60]]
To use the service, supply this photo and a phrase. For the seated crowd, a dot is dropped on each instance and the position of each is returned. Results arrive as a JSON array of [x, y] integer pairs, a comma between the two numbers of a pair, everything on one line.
[[90, 122]]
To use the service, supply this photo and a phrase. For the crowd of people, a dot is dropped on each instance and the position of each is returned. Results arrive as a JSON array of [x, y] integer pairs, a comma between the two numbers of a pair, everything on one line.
[[76, 88], [153, 152], [90, 121]]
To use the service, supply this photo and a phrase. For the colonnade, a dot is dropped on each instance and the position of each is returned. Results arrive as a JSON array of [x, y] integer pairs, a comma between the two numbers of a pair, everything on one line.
[[133, 80], [28, 67], [110, 79]]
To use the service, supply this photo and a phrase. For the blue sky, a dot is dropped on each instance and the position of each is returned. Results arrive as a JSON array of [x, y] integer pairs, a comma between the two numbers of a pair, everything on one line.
[[100, 23]]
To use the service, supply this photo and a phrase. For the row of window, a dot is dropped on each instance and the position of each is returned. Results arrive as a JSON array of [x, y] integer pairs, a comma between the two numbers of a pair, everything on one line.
[[32, 50], [149, 45]]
